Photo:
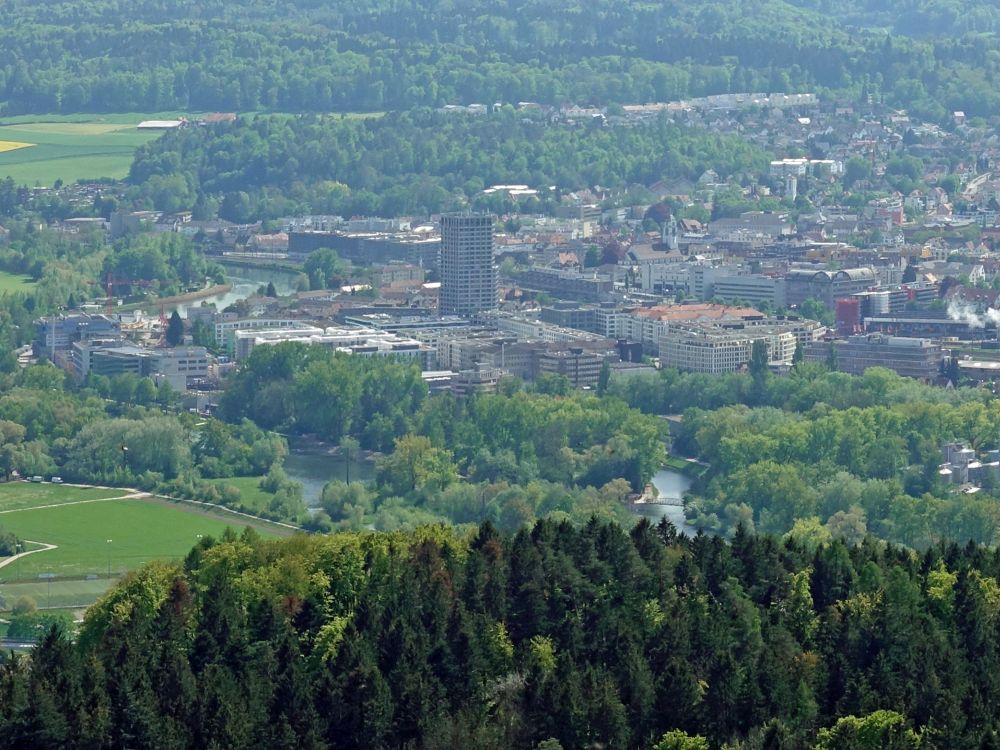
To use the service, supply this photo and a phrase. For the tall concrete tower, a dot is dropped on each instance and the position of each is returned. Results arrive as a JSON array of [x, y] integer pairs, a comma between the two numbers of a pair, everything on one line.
[[468, 276]]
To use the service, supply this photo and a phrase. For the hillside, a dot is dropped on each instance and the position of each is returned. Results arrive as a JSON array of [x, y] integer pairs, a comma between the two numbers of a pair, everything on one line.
[[345, 56], [556, 637]]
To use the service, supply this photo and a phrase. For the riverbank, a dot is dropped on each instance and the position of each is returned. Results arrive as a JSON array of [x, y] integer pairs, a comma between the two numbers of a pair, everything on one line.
[[178, 299], [670, 486], [261, 264], [686, 466]]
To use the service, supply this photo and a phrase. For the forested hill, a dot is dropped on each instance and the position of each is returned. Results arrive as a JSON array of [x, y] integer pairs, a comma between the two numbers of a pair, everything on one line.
[[409, 163], [557, 637], [304, 55]]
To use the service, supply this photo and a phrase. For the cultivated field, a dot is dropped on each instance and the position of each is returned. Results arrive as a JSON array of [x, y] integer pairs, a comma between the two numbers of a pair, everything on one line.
[[60, 149], [13, 145]]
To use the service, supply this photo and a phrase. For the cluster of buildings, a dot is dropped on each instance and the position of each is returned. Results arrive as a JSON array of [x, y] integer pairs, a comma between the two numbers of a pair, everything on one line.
[[87, 344], [963, 469], [868, 239]]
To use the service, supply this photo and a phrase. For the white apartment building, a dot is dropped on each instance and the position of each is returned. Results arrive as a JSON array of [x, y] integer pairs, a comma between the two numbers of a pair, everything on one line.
[[716, 350]]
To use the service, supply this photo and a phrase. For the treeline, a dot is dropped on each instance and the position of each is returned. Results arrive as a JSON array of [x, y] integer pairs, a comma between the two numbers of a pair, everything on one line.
[[113, 56], [115, 431], [417, 162], [825, 454], [554, 637]]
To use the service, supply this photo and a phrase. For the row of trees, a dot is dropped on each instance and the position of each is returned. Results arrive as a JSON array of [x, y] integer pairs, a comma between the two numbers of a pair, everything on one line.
[[557, 636]]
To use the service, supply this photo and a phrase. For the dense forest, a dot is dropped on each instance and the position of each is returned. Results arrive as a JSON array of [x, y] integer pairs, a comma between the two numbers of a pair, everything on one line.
[[558, 636], [114, 56], [417, 162]]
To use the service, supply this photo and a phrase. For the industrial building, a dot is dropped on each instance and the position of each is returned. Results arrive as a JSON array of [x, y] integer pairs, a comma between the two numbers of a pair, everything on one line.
[[586, 287], [802, 284], [912, 358], [582, 368], [178, 366], [58, 332]]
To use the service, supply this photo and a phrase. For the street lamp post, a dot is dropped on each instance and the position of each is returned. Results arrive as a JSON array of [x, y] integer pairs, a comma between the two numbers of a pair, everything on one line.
[[125, 457], [109, 557]]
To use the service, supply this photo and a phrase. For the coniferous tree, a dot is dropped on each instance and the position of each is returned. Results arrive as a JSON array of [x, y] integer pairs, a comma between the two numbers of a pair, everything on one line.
[[175, 329]]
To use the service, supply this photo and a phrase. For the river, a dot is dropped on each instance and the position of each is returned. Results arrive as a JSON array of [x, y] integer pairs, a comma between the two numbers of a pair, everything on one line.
[[313, 465], [244, 282], [671, 487]]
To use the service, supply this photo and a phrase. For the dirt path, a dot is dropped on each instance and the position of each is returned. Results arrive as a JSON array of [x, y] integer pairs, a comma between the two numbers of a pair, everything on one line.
[[44, 548]]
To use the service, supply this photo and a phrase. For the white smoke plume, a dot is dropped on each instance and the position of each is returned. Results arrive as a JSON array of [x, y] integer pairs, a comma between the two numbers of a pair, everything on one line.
[[966, 313]]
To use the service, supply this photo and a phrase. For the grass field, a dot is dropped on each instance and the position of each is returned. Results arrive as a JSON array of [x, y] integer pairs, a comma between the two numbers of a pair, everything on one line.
[[80, 525], [10, 282], [21, 495]]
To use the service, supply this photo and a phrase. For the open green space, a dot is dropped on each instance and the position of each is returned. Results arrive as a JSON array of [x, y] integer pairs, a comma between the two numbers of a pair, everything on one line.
[[251, 495], [20, 495], [140, 531], [71, 149], [12, 282]]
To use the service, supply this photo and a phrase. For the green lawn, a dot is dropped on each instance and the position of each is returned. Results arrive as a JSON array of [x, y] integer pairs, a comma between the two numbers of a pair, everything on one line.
[[140, 531], [11, 282], [18, 495]]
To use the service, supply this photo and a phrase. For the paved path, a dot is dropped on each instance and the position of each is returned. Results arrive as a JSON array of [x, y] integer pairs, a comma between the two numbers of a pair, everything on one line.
[[133, 495], [44, 548]]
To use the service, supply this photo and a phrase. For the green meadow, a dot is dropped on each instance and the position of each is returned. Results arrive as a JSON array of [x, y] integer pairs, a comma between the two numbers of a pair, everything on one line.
[[12, 282], [21, 495], [79, 522], [251, 495]]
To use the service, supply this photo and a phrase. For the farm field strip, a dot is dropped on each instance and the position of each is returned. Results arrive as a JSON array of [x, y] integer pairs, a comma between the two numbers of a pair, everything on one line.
[[13, 146]]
